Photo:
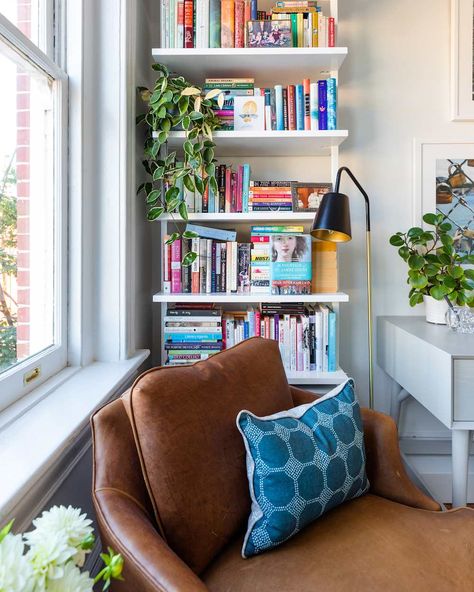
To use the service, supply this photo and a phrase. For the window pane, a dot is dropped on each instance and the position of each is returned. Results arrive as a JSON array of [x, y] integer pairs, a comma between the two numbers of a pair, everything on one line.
[[27, 281], [30, 16]]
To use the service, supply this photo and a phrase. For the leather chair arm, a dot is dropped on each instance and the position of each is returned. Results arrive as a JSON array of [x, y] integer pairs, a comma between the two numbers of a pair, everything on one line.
[[385, 468], [149, 564]]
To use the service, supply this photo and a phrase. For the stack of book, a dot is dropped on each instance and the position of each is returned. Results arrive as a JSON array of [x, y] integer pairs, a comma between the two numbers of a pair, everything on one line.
[[192, 333], [280, 260], [239, 23], [222, 264], [306, 334], [270, 196], [232, 87], [306, 106]]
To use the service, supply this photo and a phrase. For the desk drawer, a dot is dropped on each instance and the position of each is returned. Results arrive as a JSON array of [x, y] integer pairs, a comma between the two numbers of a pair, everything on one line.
[[463, 371]]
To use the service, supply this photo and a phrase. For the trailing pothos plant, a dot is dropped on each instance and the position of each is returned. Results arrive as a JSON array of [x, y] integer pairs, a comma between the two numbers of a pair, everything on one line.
[[435, 267], [175, 104]]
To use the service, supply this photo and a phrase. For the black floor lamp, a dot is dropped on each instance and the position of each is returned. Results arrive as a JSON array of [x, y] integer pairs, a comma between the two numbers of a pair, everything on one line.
[[333, 223]]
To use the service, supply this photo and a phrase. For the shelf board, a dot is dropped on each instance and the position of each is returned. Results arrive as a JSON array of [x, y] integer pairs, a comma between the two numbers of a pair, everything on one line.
[[247, 217], [323, 378], [271, 143], [266, 65], [250, 298]]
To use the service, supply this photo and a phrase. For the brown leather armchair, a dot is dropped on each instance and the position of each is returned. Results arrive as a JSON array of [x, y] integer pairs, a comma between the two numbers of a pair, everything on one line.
[[171, 494]]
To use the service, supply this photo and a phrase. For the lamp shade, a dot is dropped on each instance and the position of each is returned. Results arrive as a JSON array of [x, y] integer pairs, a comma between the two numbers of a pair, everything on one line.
[[333, 220]]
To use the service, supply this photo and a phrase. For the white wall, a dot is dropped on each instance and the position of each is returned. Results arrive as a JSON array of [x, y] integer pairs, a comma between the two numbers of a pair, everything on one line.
[[394, 87]]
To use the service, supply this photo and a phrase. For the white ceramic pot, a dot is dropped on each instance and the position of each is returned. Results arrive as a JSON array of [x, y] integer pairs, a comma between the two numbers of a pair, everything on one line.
[[435, 310]]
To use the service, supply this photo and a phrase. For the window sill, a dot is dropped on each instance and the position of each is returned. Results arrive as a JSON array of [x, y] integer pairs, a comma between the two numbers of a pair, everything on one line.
[[35, 439]]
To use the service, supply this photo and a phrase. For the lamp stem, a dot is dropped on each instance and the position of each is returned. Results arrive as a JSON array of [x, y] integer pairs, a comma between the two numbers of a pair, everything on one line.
[[369, 316]]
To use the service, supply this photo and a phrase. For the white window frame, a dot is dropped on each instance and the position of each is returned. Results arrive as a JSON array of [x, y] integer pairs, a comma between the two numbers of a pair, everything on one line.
[[54, 358]]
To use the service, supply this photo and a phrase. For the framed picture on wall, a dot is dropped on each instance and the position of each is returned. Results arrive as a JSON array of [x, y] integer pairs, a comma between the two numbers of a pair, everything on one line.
[[444, 183], [462, 60], [308, 196]]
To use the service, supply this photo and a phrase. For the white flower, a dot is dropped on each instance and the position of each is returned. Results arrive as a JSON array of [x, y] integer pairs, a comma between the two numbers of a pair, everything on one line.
[[16, 574], [48, 553], [69, 525], [71, 581]]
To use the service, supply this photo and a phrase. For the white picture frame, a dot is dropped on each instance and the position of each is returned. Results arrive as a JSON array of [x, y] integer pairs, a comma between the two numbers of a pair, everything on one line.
[[430, 164], [462, 60]]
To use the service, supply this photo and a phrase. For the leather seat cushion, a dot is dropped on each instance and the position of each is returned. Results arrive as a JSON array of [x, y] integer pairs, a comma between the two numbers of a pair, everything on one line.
[[369, 544], [191, 452]]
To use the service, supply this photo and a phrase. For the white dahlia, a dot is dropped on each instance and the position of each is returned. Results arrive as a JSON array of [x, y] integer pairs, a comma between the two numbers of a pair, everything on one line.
[[16, 574], [72, 580]]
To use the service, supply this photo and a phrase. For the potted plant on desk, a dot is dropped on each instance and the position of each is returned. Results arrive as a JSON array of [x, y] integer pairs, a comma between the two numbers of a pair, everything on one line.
[[436, 271]]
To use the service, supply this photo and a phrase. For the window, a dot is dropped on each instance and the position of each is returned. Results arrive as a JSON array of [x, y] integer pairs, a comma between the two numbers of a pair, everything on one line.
[[32, 200]]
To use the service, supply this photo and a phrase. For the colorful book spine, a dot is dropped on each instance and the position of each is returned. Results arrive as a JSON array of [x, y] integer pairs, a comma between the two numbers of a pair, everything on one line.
[[332, 103], [331, 32], [268, 109], [172, 18], [166, 266], [227, 23], [180, 25], [291, 107], [285, 108], [176, 267], [332, 358], [240, 184], [280, 123], [245, 188], [228, 190], [299, 107], [188, 23], [215, 23], [253, 10], [195, 267], [307, 108], [323, 104], [239, 26], [313, 105]]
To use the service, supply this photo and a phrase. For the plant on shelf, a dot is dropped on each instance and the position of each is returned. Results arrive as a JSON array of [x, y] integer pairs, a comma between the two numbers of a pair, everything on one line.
[[172, 104], [436, 269], [56, 551]]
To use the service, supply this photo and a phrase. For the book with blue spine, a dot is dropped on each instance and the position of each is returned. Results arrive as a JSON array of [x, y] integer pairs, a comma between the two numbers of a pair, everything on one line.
[[280, 123], [253, 10], [299, 107], [246, 188], [214, 233], [332, 103], [192, 337], [214, 23], [332, 362], [323, 104]]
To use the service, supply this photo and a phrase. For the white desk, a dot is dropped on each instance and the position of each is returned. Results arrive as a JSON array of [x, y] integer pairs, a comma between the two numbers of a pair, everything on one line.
[[435, 366]]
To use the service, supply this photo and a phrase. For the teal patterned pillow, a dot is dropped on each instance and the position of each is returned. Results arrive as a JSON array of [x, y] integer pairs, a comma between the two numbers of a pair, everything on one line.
[[300, 464]]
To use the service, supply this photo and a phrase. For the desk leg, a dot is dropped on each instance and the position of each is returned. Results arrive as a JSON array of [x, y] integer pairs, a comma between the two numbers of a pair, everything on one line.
[[460, 459], [399, 394]]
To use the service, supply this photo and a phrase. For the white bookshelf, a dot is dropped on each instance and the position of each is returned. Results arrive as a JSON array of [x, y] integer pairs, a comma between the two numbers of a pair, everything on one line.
[[269, 67]]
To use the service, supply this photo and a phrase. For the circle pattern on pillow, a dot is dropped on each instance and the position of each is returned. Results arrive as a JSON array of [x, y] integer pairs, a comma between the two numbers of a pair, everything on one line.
[[301, 463]]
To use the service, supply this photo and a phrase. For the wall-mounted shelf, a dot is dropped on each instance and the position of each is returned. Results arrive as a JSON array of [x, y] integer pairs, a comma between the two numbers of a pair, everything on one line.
[[252, 217], [290, 64], [272, 143], [250, 298], [315, 378]]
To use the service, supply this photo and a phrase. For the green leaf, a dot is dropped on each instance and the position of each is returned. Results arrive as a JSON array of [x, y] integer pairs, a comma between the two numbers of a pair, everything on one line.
[[159, 173], [449, 282], [455, 271], [188, 183], [183, 105], [469, 273], [173, 204], [213, 185], [141, 187], [211, 170], [438, 292], [416, 298], [188, 148], [208, 155], [155, 149], [153, 196], [190, 234], [444, 259], [431, 219], [183, 211], [447, 240], [445, 227], [431, 269], [186, 122], [196, 116], [140, 118], [155, 213], [6, 530], [415, 231], [396, 240], [170, 159], [171, 194], [417, 279], [161, 113], [416, 261], [172, 238], [469, 259], [199, 184], [168, 96], [189, 258], [166, 125]]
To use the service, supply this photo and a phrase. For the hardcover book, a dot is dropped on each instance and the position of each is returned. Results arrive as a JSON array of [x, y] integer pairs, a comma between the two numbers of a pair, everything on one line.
[[249, 113], [290, 266], [269, 33]]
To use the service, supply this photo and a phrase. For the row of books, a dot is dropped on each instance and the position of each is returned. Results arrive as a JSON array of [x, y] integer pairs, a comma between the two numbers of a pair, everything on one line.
[[276, 261], [306, 334], [239, 23], [306, 106]]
